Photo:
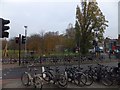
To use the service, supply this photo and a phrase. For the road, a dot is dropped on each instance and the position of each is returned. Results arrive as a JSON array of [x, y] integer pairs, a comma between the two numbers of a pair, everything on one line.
[[11, 77], [16, 83], [15, 73]]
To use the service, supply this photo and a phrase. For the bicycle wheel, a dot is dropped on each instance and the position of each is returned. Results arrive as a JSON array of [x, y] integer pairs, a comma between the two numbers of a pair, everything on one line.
[[89, 80], [38, 82], [80, 80], [107, 80], [62, 81], [46, 76], [25, 79]]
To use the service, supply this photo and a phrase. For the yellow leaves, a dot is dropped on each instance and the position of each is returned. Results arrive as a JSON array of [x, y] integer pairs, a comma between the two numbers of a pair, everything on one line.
[[90, 17]]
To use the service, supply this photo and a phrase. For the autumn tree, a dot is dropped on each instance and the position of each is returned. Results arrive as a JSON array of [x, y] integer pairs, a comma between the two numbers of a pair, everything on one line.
[[12, 45], [4, 47], [51, 39], [89, 19], [69, 37], [4, 42], [34, 43]]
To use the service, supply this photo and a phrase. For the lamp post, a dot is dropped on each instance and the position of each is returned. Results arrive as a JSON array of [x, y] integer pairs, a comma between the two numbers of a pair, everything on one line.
[[96, 40], [25, 39], [19, 49], [79, 52]]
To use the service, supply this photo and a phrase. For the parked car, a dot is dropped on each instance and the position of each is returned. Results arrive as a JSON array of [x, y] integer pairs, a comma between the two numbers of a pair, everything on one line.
[[117, 54]]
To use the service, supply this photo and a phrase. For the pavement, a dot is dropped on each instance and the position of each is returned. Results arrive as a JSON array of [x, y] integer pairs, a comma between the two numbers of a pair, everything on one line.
[[16, 83], [7, 66], [14, 65]]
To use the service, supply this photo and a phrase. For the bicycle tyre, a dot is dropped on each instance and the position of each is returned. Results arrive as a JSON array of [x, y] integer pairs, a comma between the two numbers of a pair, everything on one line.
[[38, 82], [80, 80], [62, 81], [89, 80], [47, 76], [107, 80], [25, 79]]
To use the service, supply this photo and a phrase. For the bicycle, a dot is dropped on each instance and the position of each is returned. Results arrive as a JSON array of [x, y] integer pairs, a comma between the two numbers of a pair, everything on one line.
[[56, 78], [100, 74], [77, 76], [28, 79]]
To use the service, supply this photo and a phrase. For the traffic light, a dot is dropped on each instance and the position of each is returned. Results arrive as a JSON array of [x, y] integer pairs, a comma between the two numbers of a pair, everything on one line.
[[4, 28], [17, 40], [23, 39]]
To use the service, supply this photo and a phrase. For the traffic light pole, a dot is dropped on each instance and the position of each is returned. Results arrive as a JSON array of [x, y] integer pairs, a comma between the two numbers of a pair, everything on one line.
[[19, 49], [25, 39], [0, 27]]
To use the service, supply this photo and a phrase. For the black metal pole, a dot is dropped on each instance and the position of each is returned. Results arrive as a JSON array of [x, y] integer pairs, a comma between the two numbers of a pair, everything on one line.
[[79, 52], [19, 49], [25, 40]]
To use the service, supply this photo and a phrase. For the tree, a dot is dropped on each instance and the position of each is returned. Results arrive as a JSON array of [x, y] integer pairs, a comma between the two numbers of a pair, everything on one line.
[[34, 42], [4, 42], [70, 38], [4, 48], [51, 39], [89, 18], [12, 45]]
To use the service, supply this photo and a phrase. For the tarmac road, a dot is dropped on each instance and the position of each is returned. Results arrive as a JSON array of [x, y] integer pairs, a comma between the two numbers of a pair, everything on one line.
[[16, 72], [16, 83], [11, 78]]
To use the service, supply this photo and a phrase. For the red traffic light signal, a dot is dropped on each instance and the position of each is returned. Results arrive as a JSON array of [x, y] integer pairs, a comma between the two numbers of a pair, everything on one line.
[[17, 39]]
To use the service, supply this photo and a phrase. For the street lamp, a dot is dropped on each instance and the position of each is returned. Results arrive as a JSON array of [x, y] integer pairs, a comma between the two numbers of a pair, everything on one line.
[[96, 40], [25, 38]]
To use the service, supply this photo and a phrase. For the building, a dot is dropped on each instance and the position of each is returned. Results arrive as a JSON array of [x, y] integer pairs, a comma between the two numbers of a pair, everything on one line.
[[110, 44], [119, 22], [118, 19]]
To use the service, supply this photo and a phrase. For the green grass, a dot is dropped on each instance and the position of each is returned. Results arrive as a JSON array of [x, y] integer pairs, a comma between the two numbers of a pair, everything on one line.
[[14, 53]]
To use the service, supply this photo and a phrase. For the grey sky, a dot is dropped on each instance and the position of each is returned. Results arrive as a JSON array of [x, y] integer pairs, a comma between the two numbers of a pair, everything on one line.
[[110, 10], [41, 15]]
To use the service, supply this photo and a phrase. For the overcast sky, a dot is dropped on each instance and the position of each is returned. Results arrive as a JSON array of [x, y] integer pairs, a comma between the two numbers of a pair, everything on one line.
[[51, 15]]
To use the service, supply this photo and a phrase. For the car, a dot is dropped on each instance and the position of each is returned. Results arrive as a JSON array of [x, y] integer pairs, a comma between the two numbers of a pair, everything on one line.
[[117, 52], [91, 50]]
